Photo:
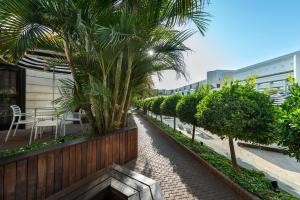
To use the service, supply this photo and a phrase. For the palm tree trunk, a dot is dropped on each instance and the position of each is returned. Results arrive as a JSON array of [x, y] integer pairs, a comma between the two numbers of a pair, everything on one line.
[[69, 59], [232, 154], [127, 105], [126, 86], [117, 86]]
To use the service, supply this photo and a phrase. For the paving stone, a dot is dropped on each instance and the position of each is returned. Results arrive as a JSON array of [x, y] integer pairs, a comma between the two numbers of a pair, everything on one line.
[[180, 176]]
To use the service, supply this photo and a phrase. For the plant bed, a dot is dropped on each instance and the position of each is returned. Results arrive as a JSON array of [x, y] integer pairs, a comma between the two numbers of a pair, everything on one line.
[[252, 181], [41, 145], [43, 169]]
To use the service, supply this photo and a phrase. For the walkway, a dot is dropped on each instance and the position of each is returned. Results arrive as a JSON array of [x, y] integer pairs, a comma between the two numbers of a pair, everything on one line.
[[179, 175], [276, 166]]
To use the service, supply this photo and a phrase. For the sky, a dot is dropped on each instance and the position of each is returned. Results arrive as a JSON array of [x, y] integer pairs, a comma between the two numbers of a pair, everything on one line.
[[241, 33]]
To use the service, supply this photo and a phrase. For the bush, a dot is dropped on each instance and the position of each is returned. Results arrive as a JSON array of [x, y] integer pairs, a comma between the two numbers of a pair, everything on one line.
[[186, 107], [238, 112], [289, 122], [253, 181], [168, 107], [156, 106]]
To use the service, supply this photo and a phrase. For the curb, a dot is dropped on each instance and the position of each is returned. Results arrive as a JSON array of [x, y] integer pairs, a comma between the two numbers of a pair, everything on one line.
[[238, 189], [265, 148]]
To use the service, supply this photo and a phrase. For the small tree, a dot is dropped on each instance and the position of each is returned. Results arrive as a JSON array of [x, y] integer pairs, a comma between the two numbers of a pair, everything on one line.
[[156, 106], [238, 112], [289, 122], [168, 107], [187, 107]]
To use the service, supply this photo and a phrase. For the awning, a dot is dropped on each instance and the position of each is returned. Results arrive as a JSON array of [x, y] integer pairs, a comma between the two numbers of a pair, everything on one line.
[[39, 60]]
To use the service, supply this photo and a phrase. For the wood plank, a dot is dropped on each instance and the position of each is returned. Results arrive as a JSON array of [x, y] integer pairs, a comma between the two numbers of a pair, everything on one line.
[[72, 173], [117, 149], [113, 146], [21, 189], [89, 157], [106, 151], [10, 178], [32, 177], [110, 150], [136, 143], [50, 174], [94, 157], [122, 148], [128, 150], [83, 160], [103, 152], [58, 170], [66, 167], [41, 176], [1, 181], [78, 162], [98, 154]]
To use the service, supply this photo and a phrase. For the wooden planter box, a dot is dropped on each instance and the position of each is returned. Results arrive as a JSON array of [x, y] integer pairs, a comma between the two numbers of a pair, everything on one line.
[[37, 175]]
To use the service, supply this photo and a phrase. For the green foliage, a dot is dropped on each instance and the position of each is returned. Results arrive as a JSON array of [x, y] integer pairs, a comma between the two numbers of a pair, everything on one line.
[[270, 91], [40, 145], [253, 181], [187, 106], [168, 106], [148, 104], [289, 122], [157, 101], [238, 111], [105, 45]]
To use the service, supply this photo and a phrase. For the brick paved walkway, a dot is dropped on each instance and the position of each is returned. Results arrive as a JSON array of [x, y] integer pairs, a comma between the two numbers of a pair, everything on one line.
[[179, 175]]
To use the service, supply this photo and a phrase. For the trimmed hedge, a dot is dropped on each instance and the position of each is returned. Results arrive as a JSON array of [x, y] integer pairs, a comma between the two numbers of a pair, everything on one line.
[[251, 180]]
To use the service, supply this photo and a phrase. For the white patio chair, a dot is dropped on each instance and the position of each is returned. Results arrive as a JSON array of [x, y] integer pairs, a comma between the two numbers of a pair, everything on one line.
[[45, 117], [17, 120], [72, 117], [40, 123]]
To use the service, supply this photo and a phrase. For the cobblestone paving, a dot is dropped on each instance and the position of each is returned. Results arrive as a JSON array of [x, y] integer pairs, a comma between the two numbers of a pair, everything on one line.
[[180, 177]]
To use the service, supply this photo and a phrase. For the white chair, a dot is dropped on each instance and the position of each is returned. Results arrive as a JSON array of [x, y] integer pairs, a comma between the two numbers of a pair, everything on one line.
[[17, 120], [40, 123], [72, 117], [45, 117]]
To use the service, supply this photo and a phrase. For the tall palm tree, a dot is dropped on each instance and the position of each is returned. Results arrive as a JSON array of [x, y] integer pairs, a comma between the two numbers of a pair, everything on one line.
[[105, 44]]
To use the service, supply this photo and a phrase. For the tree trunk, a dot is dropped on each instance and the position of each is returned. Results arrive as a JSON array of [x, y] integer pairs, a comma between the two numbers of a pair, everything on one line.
[[126, 86], [174, 123], [193, 136], [232, 154], [117, 86], [127, 105], [161, 119]]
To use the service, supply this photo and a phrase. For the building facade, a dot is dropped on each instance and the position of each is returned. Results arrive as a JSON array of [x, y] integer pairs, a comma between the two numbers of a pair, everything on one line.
[[273, 73]]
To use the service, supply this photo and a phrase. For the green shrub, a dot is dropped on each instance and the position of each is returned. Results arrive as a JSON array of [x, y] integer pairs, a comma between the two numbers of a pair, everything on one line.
[[168, 106], [238, 112], [156, 106], [186, 107], [289, 122], [253, 181]]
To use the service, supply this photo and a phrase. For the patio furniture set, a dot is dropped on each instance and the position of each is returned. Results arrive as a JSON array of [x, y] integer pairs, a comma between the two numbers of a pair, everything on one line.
[[41, 118]]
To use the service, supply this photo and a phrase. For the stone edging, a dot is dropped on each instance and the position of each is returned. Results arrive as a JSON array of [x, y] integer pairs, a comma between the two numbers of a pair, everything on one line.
[[238, 189], [265, 148]]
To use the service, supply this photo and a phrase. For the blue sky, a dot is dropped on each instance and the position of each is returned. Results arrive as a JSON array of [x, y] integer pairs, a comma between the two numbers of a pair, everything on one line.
[[241, 33]]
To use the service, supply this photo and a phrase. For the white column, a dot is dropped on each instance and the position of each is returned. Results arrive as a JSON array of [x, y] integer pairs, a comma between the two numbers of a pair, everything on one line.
[[297, 67]]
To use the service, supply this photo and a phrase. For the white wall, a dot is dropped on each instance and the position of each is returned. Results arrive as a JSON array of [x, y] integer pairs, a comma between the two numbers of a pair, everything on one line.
[[39, 88]]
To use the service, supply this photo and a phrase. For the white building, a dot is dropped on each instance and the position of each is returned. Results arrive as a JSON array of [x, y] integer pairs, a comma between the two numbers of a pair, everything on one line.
[[269, 74]]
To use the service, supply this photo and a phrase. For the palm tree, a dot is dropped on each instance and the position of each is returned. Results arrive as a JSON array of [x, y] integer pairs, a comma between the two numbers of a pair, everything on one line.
[[105, 44]]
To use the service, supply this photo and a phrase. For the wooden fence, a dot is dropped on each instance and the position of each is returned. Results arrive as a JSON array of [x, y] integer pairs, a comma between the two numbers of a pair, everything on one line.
[[37, 175]]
